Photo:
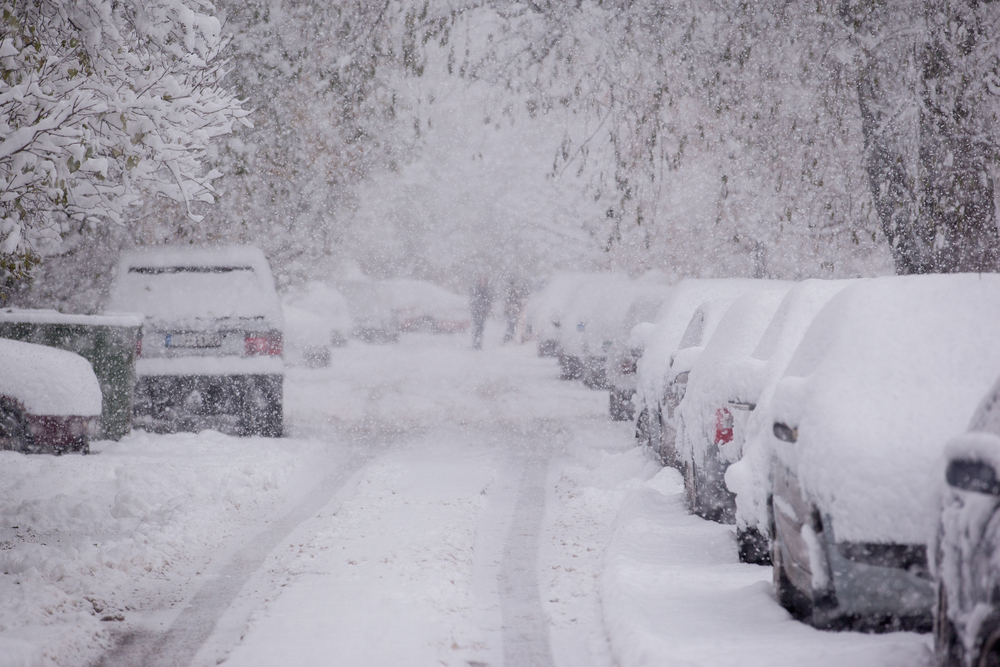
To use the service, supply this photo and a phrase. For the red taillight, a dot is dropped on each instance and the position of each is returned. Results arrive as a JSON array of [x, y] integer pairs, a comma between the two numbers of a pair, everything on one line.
[[261, 344], [723, 426]]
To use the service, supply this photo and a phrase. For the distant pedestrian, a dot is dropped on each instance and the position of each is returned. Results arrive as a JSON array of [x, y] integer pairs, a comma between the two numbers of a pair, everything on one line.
[[513, 305], [480, 303]]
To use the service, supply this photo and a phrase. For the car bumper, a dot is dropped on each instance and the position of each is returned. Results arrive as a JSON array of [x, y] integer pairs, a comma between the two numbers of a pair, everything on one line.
[[170, 403], [877, 596], [62, 434], [214, 366]]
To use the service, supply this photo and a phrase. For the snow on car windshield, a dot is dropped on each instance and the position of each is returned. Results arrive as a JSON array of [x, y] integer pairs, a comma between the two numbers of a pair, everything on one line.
[[170, 293]]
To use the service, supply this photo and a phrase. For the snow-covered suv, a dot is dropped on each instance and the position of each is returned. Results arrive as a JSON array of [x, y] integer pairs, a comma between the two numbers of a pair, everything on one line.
[[210, 352]]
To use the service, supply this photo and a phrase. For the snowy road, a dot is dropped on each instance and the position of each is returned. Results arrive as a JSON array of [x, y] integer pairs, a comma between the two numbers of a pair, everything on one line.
[[433, 506]]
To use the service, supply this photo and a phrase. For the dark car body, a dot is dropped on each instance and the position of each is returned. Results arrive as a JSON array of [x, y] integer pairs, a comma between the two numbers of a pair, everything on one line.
[[212, 342]]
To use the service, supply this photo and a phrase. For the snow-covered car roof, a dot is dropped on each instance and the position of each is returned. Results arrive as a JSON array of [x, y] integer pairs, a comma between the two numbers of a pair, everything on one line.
[[672, 320], [47, 381], [172, 284], [887, 372]]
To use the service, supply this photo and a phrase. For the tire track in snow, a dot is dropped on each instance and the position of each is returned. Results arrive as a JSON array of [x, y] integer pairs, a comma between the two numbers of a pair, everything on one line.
[[196, 622], [525, 625]]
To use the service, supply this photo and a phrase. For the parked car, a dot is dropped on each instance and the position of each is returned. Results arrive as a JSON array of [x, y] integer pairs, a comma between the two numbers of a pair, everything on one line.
[[659, 340], [966, 548], [706, 417], [418, 305], [749, 386], [370, 303], [545, 310], [888, 370], [211, 347], [626, 349], [593, 315], [316, 319], [50, 400]]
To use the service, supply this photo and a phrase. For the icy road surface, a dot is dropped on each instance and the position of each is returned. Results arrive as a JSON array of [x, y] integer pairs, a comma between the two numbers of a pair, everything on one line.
[[432, 506]]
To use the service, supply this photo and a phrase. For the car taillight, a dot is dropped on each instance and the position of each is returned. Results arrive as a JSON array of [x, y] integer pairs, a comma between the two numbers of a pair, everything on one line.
[[261, 344], [723, 426]]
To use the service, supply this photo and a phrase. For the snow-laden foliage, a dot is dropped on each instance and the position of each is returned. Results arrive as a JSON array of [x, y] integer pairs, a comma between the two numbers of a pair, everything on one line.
[[103, 103]]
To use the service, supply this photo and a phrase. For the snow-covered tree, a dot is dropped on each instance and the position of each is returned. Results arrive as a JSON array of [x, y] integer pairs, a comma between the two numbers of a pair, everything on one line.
[[928, 85], [103, 103]]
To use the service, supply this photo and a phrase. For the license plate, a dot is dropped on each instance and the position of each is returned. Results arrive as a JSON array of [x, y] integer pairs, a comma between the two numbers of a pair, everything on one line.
[[194, 339]]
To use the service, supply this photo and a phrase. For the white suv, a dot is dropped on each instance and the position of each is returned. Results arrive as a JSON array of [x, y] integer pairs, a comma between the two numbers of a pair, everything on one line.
[[210, 351]]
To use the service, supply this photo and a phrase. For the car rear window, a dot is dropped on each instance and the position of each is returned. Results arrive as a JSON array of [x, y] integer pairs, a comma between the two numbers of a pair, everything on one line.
[[174, 293]]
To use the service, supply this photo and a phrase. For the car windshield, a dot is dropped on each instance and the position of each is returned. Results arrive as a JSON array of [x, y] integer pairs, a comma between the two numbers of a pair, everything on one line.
[[181, 292]]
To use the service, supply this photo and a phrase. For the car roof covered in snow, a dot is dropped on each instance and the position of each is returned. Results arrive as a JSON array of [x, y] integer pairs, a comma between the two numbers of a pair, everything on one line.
[[672, 321], [173, 284], [48, 381], [887, 372]]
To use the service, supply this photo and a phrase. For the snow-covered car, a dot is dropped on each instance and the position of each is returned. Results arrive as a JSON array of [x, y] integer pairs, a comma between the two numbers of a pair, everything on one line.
[[50, 400], [316, 319], [887, 372], [546, 309], [592, 318], [370, 303], [966, 548], [211, 347], [626, 349], [705, 417], [747, 386], [418, 305], [660, 339]]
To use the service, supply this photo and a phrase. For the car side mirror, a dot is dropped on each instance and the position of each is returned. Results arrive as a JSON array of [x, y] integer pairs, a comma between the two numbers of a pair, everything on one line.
[[785, 433], [973, 475]]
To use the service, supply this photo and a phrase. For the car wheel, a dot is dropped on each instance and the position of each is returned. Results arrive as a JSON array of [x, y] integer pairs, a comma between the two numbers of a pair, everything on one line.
[[262, 407], [620, 405], [754, 547], [642, 429], [14, 433], [691, 488], [797, 603], [946, 644]]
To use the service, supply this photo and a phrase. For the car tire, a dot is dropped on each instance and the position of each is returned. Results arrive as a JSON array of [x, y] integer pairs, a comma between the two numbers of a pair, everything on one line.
[[797, 603], [642, 435], [14, 433], [753, 546], [263, 407], [620, 405], [691, 488], [949, 649]]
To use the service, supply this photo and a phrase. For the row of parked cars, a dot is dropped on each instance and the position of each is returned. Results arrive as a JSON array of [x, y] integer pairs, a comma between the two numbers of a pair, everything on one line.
[[850, 429]]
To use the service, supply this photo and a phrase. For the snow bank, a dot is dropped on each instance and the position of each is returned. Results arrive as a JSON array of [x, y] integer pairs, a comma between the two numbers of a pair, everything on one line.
[[87, 541], [47, 381], [888, 371], [673, 593]]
